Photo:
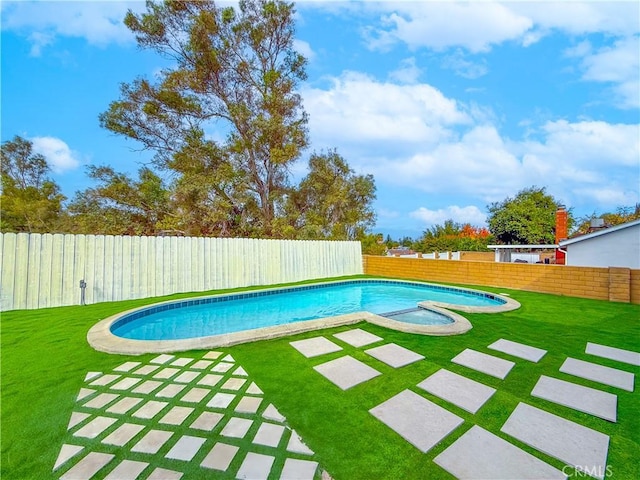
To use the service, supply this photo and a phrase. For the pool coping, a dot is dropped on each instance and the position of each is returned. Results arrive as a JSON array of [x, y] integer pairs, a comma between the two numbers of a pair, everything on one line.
[[102, 339]]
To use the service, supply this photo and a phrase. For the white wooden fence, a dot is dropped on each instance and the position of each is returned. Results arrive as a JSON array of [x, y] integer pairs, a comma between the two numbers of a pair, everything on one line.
[[44, 270]]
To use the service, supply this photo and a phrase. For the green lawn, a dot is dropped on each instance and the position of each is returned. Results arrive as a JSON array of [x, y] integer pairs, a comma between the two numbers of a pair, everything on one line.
[[45, 357]]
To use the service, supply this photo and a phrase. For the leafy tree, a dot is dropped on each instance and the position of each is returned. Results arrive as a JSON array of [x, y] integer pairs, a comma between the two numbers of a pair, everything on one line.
[[122, 206], [622, 214], [332, 201], [31, 201], [236, 71], [526, 219], [452, 236], [372, 244]]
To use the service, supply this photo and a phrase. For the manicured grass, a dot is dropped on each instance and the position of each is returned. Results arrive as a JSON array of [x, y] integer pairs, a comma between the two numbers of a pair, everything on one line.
[[45, 357]]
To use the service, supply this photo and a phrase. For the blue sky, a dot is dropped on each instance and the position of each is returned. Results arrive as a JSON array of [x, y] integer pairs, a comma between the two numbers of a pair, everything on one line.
[[449, 105]]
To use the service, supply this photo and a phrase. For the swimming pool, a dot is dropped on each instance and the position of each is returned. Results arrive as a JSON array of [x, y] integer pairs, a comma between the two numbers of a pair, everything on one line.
[[226, 317]]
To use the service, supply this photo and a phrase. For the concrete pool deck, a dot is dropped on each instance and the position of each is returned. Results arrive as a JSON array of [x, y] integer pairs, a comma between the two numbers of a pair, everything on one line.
[[101, 338]]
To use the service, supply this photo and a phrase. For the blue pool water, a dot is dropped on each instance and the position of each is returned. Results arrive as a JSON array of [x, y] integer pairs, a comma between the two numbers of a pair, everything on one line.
[[248, 311]]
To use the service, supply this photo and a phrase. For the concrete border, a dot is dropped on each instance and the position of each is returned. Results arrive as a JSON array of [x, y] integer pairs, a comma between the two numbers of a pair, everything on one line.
[[102, 339]]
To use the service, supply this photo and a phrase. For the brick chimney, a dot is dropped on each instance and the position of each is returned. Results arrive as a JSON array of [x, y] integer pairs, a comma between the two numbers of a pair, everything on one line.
[[562, 232]]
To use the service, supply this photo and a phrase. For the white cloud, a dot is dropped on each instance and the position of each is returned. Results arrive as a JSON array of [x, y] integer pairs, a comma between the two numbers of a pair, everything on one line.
[[463, 67], [407, 73], [618, 64], [99, 23], [469, 214], [57, 153], [358, 110], [474, 26]]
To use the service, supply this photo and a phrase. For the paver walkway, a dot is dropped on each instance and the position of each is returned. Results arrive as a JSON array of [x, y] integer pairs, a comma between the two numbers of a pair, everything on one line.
[[174, 408]]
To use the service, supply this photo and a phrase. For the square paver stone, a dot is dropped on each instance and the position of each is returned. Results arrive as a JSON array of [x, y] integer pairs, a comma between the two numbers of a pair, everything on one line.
[[152, 441], [149, 409], [105, 380], [346, 372], [202, 364], [207, 421], [164, 474], [584, 399], [124, 405], [166, 373], [563, 439], [394, 355], [255, 466], [221, 400], [598, 373], [612, 353], [127, 470], [195, 395], [176, 415], [146, 369], [295, 469], [313, 347], [357, 337], [220, 457], [101, 400], [181, 362], [126, 367], [481, 454], [186, 377], [419, 421], [494, 366], [185, 448], [95, 427], [170, 390], [269, 434], [236, 427], [88, 466], [520, 350], [123, 434], [210, 380], [234, 384], [125, 383], [248, 404], [222, 367], [147, 387], [212, 355], [162, 359], [461, 391]]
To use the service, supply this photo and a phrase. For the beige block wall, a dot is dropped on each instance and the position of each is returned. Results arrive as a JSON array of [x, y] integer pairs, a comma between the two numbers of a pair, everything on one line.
[[585, 282], [478, 256]]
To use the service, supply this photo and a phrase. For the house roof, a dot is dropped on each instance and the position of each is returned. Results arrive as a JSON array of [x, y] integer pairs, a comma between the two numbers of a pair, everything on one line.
[[513, 247], [605, 231]]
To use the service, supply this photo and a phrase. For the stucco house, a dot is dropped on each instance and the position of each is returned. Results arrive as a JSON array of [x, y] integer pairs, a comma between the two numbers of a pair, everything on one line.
[[617, 246]]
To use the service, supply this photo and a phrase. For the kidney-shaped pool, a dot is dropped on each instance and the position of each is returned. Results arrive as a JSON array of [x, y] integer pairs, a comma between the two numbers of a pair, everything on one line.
[[222, 316]]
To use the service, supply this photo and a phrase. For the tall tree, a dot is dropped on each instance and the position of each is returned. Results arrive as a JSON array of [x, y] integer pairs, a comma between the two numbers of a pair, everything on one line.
[[119, 205], [332, 201], [622, 214], [30, 201], [235, 71], [526, 219]]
